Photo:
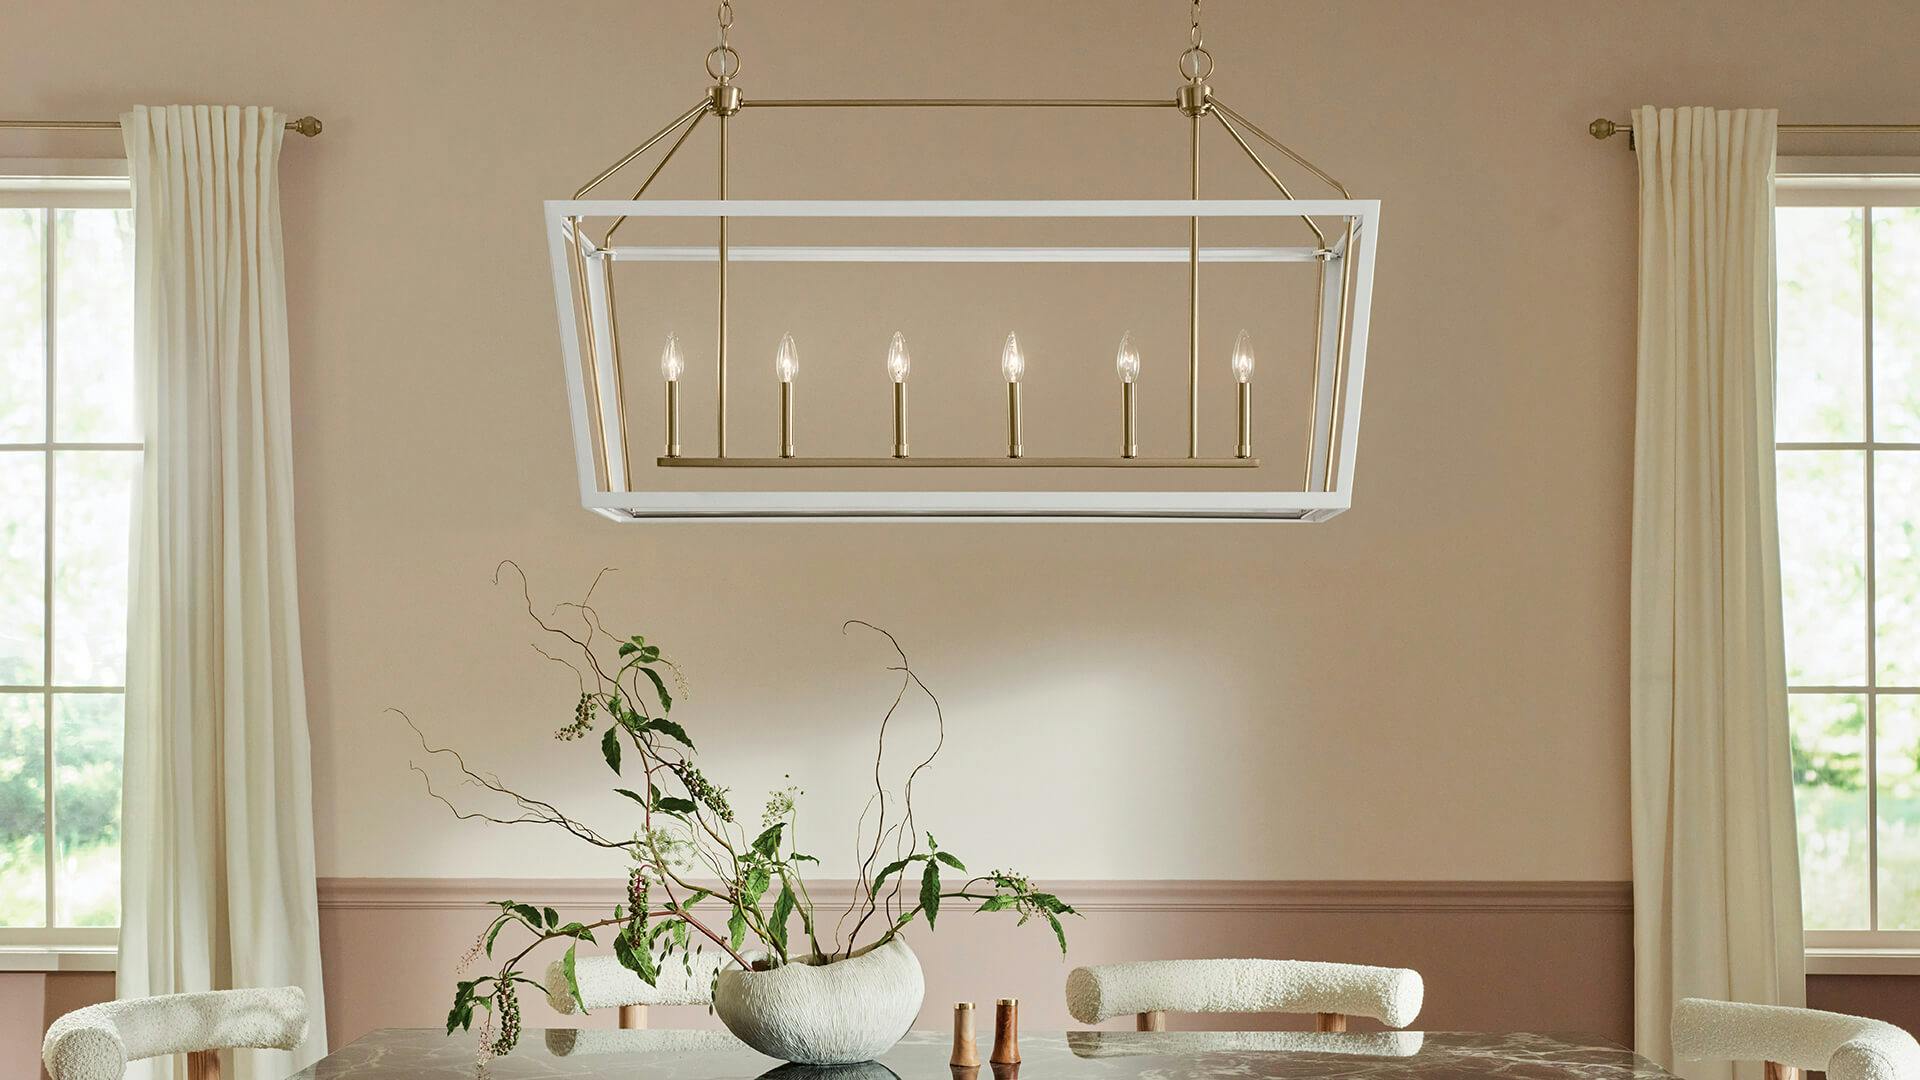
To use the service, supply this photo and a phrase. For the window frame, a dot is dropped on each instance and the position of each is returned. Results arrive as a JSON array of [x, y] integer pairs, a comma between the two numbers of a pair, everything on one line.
[[1866, 183], [50, 185]]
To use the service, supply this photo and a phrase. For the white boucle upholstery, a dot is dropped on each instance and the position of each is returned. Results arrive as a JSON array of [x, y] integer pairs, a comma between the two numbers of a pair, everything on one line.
[[1845, 1047], [95, 1043], [1102, 1044], [605, 984], [1389, 995]]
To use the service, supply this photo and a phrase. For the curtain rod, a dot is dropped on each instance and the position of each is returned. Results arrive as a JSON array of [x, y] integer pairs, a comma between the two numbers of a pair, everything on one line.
[[1607, 129], [306, 125]]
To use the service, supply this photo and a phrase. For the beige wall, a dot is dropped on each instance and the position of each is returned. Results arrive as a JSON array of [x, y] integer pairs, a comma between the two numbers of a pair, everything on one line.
[[1430, 687]]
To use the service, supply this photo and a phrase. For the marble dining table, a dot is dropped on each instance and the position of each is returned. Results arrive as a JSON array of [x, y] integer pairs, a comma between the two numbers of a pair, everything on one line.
[[568, 1054]]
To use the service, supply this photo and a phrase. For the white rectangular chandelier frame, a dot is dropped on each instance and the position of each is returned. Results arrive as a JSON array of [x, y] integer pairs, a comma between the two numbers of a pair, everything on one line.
[[597, 415]]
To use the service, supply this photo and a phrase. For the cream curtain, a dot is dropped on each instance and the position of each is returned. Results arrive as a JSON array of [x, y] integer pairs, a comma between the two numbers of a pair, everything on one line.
[[217, 885], [1715, 868]]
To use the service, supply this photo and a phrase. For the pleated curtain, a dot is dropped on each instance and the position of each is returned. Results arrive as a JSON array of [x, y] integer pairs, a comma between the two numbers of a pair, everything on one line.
[[217, 884], [1715, 865]]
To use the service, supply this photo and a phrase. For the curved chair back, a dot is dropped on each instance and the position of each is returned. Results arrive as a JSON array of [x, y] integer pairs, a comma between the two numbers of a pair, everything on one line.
[[95, 1043], [1789, 1039], [1152, 988], [606, 984]]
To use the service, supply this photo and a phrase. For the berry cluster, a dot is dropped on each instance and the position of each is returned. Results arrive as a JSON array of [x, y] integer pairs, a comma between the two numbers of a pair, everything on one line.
[[507, 1007]]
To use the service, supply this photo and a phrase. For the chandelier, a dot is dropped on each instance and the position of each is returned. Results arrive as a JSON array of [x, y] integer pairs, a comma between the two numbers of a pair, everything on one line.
[[624, 461]]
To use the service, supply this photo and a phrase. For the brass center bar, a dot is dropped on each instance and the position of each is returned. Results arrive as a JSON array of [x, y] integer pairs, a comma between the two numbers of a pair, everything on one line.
[[955, 463]]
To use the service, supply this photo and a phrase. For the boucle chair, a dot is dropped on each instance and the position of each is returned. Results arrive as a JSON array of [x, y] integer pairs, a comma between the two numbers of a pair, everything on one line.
[[1152, 988], [95, 1043], [1789, 1039], [605, 984]]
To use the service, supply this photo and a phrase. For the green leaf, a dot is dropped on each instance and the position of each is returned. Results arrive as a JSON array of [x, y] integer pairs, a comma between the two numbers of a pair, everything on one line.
[[996, 903], [673, 804], [552, 916], [529, 914], [889, 870], [768, 843], [634, 795], [930, 891], [499, 924], [736, 927], [610, 748], [950, 861], [666, 699], [638, 961], [573, 981], [754, 885], [783, 906], [668, 727], [797, 857], [1058, 931]]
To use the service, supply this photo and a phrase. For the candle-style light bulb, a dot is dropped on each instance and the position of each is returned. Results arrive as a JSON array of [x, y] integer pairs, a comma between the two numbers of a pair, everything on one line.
[[899, 364], [1126, 363], [1243, 374], [786, 364], [1012, 363], [786, 359], [672, 366]]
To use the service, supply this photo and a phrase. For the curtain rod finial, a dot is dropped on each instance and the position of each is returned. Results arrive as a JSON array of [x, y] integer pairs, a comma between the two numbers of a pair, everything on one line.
[[308, 126], [1599, 129]]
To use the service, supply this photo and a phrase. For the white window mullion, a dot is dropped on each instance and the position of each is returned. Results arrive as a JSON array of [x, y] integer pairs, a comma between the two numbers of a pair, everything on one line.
[[1873, 625], [50, 290]]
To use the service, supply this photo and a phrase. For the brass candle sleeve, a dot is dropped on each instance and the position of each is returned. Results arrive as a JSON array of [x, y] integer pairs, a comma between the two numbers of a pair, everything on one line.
[[900, 419], [1013, 420], [1245, 449], [1128, 447], [786, 419], [673, 417]]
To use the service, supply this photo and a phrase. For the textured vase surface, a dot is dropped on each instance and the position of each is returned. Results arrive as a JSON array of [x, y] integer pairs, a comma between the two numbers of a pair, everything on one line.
[[848, 1011]]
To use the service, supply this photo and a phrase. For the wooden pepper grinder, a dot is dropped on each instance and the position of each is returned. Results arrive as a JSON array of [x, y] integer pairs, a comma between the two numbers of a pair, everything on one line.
[[965, 1053], [1006, 1032]]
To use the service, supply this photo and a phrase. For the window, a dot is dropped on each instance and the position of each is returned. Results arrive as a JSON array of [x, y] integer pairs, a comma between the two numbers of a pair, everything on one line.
[[69, 457], [1847, 433]]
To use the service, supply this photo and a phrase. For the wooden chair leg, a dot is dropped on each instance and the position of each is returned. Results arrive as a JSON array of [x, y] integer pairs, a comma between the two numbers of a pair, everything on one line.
[[1155, 1021], [203, 1065], [633, 1016], [1333, 1022], [1777, 1071]]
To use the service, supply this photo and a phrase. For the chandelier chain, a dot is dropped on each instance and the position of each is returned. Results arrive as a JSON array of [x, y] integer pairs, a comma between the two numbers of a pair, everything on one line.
[[723, 63], [1196, 63]]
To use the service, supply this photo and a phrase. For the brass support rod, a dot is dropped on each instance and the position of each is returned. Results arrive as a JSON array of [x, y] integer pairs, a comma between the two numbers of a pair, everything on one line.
[[957, 463], [786, 419], [641, 149], [673, 418], [309, 126], [957, 103], [720, 354], [1245, 447], [619, 379], [1014, 448], [607, 240], [1193, 302], [576, 236], [1292, 154], [900, 419], [1262, 166], [1341, 344], [1607, 129], [1319, 344], [1129, 448]]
